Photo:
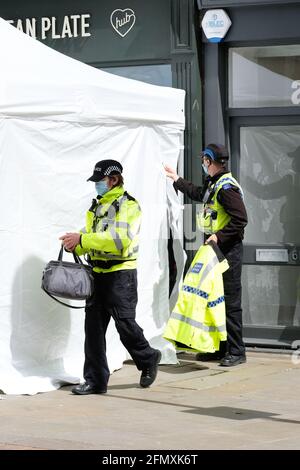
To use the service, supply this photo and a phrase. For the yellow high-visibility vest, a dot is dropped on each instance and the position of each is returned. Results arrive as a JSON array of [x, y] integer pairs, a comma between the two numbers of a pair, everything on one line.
[[198, 321], [213, 217], [112, 230]]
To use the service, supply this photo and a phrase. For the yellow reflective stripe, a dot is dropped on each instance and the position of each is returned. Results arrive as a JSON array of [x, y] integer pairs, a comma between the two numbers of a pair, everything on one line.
[[197, 324]]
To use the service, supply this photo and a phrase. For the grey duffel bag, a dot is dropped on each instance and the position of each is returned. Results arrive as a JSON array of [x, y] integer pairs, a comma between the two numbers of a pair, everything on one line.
[[73, 281]]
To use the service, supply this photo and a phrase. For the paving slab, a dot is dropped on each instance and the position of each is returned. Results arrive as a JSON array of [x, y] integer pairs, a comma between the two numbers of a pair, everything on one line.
[[191, 405]]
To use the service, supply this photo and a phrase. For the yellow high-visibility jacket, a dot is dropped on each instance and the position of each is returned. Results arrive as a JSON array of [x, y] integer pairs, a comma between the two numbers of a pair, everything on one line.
[[112, 230], [213, 217], [198, 320]]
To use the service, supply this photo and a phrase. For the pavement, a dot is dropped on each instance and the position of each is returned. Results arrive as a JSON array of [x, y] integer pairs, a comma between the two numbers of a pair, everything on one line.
[[192, 405]]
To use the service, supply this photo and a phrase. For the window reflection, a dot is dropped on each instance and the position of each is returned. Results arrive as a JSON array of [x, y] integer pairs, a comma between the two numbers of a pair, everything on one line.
[[270, 176], [270, 295], [153, 74], [264, 76]]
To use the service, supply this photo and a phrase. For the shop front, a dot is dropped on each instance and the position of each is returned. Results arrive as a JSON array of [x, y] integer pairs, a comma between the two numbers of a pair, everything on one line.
[[246, 93], [252, 102], [154, 42]]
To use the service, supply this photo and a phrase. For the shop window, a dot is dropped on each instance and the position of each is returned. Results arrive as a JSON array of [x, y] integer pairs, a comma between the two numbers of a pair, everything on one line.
[[266, 76], [271, 297], [270, 177], [153, 74]]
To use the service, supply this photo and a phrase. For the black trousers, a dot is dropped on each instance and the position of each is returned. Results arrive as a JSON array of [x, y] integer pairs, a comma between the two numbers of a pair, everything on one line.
[[115, 296], [233, 297]]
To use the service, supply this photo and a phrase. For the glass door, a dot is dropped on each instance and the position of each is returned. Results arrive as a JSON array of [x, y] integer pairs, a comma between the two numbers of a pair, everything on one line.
[[266, 160]]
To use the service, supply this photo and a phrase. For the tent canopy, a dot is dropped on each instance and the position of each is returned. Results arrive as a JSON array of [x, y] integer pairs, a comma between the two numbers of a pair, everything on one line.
[[63, 87]]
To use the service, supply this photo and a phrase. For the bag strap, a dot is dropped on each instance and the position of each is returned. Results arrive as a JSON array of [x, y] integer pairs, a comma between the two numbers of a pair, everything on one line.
[[77, 258], [60, 302]]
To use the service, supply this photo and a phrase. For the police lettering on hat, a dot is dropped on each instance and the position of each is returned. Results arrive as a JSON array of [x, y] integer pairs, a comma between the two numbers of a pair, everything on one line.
[[105, 168]]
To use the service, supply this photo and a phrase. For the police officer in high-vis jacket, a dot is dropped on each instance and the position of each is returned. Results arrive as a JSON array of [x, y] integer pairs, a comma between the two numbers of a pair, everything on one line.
[[223, 220], [110, 241]]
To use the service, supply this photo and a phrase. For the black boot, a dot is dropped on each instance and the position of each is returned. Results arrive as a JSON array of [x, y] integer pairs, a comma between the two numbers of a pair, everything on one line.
[[86, 389], [149, 373], [231, 360]]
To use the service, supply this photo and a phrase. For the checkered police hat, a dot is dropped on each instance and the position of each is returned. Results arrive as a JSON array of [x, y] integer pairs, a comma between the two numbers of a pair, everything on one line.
[[105, 168]]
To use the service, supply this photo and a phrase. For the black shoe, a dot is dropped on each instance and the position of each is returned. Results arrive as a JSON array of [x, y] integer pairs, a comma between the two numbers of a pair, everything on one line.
[[86, 389], [205, 357], [149, 374], [230, 360]]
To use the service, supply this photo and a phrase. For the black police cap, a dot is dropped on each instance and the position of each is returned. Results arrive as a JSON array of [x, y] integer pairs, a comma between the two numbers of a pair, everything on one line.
[[105, 168]]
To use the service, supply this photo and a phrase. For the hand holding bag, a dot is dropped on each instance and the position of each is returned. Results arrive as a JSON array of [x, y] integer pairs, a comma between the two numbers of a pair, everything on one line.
[[73, 281]]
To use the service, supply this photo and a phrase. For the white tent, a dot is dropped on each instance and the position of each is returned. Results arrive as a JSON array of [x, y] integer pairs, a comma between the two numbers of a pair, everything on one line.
[[58, 117]]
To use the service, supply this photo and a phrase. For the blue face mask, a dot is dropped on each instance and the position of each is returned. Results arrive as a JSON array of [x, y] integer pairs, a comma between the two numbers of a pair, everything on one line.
[[205, 169], [101, 187]]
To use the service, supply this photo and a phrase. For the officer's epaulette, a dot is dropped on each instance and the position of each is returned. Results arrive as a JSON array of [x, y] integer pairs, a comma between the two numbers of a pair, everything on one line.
[[94, 204], [130, 198]]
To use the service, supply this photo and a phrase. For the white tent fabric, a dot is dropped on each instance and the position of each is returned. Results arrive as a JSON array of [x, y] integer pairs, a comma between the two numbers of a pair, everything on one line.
[[58, 117]]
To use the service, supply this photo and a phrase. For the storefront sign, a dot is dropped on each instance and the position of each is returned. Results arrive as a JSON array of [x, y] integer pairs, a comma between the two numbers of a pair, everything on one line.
[[96, 32], [295, 98], [72, 26], [122, 21], [215, 25]]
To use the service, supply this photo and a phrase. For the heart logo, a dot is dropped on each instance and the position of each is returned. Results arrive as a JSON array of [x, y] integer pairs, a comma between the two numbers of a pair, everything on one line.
[[122, 21]]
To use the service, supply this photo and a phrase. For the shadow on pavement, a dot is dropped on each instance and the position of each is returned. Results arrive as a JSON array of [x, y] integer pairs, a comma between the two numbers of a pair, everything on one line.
[[226, 412]]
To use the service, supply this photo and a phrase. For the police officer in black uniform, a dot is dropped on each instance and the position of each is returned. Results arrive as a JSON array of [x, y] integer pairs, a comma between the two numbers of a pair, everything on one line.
[[110, 239], [229, 239]]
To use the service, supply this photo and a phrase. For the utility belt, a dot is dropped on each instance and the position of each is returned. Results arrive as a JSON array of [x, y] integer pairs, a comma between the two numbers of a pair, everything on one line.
[[106, 264]]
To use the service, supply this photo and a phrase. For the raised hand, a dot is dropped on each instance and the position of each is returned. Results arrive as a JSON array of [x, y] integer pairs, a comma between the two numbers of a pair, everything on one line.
[[171, 173]]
